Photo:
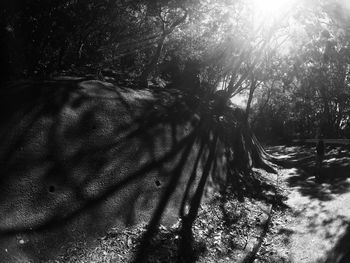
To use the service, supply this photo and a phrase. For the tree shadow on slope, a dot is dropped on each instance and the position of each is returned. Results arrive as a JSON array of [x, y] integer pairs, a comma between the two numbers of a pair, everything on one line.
[[332, 178], [79, 157]]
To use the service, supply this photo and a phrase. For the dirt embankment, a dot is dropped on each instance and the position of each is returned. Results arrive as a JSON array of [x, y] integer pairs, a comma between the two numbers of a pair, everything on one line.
[[78, 157]]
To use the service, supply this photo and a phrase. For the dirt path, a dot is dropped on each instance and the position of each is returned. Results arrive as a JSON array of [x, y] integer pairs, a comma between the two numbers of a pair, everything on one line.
[[317, 227], [319, 223]]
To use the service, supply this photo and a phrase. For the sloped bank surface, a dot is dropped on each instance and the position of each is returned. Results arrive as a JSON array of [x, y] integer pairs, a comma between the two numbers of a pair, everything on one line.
[[78, 157]]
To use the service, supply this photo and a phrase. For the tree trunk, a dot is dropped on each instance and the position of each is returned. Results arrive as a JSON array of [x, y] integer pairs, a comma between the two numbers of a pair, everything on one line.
[[253, 86], [151, 66]]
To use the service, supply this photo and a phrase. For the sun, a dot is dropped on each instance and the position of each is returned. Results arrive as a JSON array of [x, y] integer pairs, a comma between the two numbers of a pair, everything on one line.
[[267, 10]]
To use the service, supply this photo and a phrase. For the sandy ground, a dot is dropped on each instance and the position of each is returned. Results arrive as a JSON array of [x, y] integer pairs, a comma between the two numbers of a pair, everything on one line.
[[319, 211], [319, 223]]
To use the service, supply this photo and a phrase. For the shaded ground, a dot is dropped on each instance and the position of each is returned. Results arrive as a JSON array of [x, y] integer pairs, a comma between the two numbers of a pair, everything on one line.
[[80, 156], [313, 225], [224, 232]]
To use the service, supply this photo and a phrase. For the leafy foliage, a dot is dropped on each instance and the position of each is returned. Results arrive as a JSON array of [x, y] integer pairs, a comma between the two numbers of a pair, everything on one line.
[[294, 69], [311, 95]]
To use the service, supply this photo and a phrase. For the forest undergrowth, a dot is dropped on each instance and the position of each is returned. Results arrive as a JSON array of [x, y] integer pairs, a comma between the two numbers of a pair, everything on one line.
[[226, 230]]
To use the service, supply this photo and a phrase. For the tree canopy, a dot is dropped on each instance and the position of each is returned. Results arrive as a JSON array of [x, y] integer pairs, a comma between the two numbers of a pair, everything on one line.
[[289, 60], [286, 63]]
